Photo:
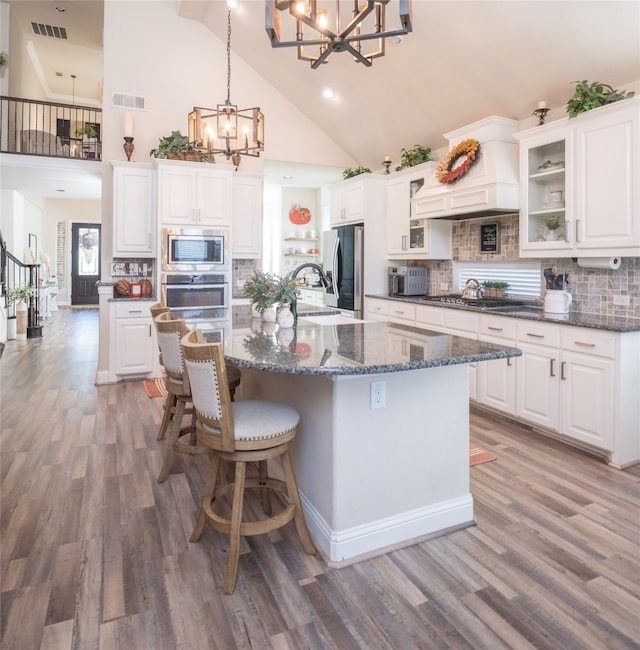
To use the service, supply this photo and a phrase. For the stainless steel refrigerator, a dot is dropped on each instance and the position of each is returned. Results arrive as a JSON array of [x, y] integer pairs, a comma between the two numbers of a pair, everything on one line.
[[343, 262]]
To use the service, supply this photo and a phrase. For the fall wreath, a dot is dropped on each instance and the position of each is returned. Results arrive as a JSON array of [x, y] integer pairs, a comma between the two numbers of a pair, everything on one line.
[[445, 172]]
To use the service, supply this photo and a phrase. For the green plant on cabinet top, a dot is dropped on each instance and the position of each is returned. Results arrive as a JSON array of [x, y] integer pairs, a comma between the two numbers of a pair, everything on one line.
[[350, 173], [414, 156], [588, 96], [177, 146]]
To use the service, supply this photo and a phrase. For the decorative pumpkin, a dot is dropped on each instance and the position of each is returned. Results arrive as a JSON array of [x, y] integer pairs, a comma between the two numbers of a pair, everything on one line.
[[145, 288], [122, 288]]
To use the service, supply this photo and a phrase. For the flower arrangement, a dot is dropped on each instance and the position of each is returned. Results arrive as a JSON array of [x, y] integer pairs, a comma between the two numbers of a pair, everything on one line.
[[19, 293], [446, 173]]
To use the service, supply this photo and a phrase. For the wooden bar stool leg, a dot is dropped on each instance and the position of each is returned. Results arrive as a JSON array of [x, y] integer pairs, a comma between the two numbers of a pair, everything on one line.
[[169, 408], [234, 532], [265, 493], [209, 487], [174, 435], [294, 497]]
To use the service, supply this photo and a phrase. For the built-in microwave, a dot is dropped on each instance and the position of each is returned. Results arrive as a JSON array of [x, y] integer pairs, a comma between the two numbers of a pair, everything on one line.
[[198, 250]]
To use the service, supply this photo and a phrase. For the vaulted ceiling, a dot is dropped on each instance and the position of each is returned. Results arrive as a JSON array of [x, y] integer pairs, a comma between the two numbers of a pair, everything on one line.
[[464, 60]]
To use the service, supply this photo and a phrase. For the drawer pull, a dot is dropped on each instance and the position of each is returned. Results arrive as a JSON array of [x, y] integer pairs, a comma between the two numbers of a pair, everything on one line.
[[585, 345], [535, 336], [508, 361], [135, 311], [494, 329]]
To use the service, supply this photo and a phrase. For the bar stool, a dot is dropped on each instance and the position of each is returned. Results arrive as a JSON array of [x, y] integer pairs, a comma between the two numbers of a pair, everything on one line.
[[169, 331], [157, 309], [240, 433]]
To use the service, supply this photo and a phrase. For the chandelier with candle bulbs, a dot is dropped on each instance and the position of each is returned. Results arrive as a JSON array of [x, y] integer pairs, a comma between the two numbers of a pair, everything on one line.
[[226, 130], [364, 24]]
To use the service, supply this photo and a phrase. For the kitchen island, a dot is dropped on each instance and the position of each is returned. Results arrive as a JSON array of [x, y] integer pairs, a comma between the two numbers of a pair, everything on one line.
[[382, 453]]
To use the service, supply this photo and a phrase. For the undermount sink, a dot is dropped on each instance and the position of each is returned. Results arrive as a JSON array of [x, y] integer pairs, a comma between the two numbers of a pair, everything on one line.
[[332, 319]]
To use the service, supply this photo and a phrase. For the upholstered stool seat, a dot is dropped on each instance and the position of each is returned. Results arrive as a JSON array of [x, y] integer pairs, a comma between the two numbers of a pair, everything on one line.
[[240, 433]]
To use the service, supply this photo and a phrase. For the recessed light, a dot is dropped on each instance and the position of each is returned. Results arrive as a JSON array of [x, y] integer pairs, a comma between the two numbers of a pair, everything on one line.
[[287, 178], [327, 93]]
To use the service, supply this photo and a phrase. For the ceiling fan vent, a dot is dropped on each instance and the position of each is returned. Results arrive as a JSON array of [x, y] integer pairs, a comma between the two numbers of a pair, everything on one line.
[[125, 100], [49, 30]]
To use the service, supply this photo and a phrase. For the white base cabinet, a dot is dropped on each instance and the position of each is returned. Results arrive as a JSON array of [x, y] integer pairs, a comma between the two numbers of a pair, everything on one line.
[[133, 345], [576, 383]]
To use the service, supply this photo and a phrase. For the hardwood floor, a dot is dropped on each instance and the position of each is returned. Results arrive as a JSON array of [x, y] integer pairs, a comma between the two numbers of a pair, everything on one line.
[[95, 553]]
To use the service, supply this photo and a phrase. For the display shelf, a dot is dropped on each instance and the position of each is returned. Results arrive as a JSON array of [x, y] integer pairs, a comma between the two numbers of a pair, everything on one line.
[[301, 239], [301, 254]]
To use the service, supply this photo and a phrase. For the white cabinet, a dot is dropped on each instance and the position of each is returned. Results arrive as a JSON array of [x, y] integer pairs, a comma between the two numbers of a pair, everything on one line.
[[194, 193], [377, 309], [133, 214], [312, 297], [246, 228], [353, 200], [497, 379], [584, 173], [133, 347], [402, 312], [410, 237]]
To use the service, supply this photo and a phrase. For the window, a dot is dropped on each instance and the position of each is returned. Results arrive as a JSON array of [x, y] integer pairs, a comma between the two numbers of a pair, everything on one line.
[[524, 278]]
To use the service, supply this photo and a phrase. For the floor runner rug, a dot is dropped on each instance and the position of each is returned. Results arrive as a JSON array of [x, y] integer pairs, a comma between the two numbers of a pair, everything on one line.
[[478, 456], [155, 387]]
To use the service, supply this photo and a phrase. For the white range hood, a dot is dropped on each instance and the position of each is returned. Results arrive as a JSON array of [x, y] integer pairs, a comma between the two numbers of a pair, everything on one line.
[[490, 186]]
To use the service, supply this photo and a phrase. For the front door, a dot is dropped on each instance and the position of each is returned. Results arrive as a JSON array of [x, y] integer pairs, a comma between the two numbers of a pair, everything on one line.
[[85, 263]]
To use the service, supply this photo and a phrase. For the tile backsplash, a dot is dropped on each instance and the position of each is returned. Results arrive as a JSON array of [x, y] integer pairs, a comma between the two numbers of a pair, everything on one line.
[[593, 290]]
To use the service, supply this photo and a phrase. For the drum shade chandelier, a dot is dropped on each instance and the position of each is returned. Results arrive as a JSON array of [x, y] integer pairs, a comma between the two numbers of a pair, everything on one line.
[[319, 15], [227, 130]]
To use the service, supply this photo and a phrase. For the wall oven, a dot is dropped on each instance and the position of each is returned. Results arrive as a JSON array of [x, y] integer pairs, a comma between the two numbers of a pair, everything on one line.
[[197, 297], [195, 250]]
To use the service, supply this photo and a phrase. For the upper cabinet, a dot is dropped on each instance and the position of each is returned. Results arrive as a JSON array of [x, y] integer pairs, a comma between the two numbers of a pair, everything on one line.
[[133, 214], [580, 184], [406, 236], [352, 200], [246, 227], [194, 193]]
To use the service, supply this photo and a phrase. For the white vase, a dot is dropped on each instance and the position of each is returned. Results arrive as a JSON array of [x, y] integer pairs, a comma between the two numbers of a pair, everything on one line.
[[269, 315], [254, 311], [552, 235], [21, 320], [285, 317]]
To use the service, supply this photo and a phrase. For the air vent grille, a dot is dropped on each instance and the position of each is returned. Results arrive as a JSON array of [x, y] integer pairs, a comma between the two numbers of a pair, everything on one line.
[[49, 30], [126, 100]]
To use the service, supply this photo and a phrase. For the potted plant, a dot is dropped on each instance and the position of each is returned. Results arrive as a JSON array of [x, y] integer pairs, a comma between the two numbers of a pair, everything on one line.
[[261, 289], [495, 289], [18, 296], [356, 171], [286, 292], [414, 156], [592, 95], [176, 147], [553, 223]]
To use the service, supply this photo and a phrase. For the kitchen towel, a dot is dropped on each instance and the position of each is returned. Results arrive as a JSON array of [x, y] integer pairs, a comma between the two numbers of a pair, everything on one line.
[[599, 262]]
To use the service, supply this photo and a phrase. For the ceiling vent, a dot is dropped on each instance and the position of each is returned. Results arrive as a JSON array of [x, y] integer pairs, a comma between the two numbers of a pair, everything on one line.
[[125, 100], [49, 30]]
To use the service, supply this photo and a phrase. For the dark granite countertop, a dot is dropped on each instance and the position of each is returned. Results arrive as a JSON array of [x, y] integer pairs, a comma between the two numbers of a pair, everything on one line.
[[359, 348], [534, 312]]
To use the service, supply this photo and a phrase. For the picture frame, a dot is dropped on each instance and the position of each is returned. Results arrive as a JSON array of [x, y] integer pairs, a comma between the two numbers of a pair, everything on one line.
[[490, 238], [33, 247]]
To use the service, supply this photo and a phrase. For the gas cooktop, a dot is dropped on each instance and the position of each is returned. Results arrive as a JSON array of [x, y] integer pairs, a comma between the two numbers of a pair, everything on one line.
[[457, 299]]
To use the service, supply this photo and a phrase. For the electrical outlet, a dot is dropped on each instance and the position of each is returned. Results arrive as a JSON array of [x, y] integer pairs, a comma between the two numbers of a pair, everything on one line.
[[378, 394], [621, 301]]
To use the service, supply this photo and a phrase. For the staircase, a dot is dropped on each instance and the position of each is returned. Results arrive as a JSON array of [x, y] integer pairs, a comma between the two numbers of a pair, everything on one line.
[[14, 273]]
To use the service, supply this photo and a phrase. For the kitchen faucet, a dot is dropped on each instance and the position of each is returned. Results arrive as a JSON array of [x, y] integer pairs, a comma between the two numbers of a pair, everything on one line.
[[325, 279]]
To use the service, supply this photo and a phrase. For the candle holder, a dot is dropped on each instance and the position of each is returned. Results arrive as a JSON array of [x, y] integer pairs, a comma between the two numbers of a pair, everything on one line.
[[387, 164], [128, 146], [541, 114]]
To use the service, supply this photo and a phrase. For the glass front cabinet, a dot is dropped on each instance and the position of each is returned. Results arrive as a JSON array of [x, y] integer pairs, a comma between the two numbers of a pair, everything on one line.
[[546, 217]]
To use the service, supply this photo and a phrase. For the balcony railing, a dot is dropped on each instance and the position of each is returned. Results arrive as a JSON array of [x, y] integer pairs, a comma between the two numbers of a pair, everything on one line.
[[36, 128]]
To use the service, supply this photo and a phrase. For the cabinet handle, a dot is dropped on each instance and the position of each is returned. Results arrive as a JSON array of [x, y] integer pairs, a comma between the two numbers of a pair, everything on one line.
[[149, 331], [135, 311], [585, 345], [535, 336], [509, 361], [578, 230], [552, 369], [563, 366], [404, 242], [495, 329]]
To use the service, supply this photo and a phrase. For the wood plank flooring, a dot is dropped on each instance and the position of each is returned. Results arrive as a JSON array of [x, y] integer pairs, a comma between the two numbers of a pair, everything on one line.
[[95, 553]]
